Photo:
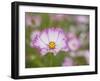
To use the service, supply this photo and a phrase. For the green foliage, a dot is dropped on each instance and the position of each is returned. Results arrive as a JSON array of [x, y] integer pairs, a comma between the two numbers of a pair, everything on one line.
[[80, 60]]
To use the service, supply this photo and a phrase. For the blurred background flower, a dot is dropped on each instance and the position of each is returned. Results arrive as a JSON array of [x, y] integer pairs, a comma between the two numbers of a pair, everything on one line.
[[32, 20], [82, 19], [68, 62], [73, 42]]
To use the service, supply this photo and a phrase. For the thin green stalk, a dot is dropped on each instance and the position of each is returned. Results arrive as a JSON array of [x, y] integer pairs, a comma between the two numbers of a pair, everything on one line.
[[51, 60]]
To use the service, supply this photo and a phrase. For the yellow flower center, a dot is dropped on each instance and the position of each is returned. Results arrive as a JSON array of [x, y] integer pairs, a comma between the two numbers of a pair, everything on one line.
[[52, 45]]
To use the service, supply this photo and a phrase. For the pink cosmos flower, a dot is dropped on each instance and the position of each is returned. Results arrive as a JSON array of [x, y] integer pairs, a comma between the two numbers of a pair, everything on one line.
[[68, 62], [49, 40], [82, 19], [73, 42], [33, 20]]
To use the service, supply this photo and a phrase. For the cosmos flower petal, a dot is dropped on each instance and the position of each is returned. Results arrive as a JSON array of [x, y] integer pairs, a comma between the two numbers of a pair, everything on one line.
[[38, 43], [61, 37], [51, 32], [61, 44], [61, 40], [43, 51], [57, 32], [33, 37], [44, 36], [34, 34]]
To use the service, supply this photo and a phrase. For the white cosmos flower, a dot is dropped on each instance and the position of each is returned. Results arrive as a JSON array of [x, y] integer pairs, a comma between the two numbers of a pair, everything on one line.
[[49, 40]]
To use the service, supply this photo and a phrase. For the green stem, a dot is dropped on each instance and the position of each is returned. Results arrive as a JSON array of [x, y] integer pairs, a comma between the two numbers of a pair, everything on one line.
[[51, 60]]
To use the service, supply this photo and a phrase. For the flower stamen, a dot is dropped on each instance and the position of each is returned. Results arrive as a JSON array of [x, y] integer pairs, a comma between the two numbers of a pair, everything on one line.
[[52, 45]]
